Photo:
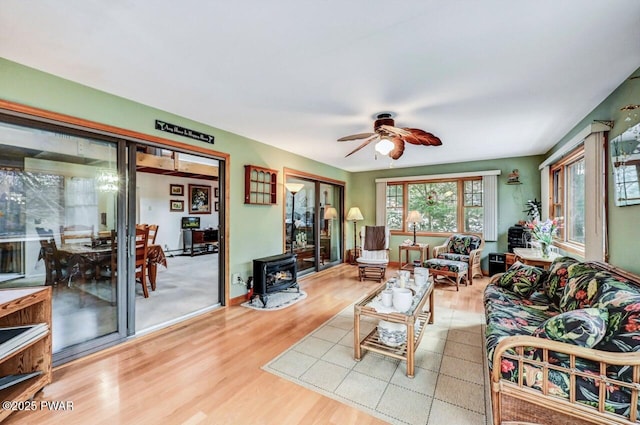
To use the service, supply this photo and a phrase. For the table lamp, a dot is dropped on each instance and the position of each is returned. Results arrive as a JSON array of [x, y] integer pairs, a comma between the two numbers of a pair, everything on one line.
[[414, 217], [354, 215], [293, 188]]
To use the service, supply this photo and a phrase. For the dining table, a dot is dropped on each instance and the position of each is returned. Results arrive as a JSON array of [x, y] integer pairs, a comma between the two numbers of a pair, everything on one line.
[[84, 256], [155, 256]]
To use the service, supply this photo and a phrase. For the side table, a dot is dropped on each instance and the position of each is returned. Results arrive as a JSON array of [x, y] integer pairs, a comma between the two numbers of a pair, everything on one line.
[[422, 249], [415, 320]]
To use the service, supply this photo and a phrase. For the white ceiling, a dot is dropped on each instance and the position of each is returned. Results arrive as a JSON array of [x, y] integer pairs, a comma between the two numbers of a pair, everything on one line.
[[491, 78]]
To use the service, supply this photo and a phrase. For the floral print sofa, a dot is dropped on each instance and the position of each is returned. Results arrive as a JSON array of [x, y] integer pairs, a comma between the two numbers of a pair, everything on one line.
[[563, 346]]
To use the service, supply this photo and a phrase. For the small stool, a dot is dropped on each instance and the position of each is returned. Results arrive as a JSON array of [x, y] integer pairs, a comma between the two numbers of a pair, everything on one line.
[[450, 269]]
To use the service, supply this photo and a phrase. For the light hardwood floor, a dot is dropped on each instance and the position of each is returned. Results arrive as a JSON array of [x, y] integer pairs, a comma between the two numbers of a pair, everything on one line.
[[207, 370]]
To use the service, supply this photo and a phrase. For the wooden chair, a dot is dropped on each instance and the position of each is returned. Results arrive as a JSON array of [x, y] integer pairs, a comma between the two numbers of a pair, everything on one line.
[[465, 247], [372, 264], [153, 232], [55, 272], [76, 233], [142, 238]]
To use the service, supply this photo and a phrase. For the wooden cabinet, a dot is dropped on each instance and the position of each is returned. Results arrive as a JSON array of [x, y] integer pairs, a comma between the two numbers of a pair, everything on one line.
[[260, 185], [26, 306], [199, 241]]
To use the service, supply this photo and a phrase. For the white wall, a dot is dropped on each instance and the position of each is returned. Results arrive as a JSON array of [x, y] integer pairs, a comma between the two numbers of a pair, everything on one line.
[[153, 206]]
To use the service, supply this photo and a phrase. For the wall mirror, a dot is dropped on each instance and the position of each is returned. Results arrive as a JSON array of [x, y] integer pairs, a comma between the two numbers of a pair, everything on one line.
[[625, 158]]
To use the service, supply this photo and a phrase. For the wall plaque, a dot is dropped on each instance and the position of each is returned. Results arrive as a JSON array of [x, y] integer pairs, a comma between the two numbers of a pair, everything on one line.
[[181, 131]]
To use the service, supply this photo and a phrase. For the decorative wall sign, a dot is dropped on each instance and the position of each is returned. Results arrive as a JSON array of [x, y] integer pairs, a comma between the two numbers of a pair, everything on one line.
[[181, 131]]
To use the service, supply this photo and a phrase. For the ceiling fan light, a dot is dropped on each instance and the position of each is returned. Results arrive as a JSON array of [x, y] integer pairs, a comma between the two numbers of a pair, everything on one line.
[[384, 146]]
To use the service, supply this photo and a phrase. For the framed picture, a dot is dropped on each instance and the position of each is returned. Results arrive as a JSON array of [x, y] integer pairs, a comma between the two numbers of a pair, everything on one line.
[[216, 193], [216, 205], [176, 205], [176, 189], [199, 199]]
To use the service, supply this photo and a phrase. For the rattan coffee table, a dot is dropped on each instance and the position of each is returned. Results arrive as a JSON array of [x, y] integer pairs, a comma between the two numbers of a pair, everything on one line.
[[414, 315]]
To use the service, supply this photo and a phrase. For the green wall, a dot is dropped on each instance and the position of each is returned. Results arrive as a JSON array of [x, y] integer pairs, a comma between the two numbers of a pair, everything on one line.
[[252, 231], [623, 222], [511, 198], [255, 231]]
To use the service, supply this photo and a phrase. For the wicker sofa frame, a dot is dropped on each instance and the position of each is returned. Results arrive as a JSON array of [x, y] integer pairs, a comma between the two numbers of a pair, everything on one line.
[[515, 402]]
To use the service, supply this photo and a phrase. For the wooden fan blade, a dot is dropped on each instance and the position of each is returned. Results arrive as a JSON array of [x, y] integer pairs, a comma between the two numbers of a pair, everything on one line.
[[356, 137], [398, 148], [426, 139], [365, 143], [412, 139], [394, 130]]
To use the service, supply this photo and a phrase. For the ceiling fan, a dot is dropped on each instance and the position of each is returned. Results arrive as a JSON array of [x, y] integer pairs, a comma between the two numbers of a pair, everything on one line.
[[391, 139]]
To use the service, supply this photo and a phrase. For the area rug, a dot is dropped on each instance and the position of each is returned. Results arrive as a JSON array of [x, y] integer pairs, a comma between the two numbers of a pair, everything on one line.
[[449, 384], [276, 300]]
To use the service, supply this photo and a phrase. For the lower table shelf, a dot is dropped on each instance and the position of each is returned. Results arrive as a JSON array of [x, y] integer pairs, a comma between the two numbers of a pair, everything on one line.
[[372, 341]]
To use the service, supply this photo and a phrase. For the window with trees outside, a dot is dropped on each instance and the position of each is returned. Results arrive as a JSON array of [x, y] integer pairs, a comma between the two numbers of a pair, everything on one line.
[[567, 178], [447, 206]]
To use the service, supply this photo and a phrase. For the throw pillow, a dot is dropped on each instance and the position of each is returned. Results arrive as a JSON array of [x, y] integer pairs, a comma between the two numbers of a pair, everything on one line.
[[584, 282], [583, 327], [557, 280], [522, 279]]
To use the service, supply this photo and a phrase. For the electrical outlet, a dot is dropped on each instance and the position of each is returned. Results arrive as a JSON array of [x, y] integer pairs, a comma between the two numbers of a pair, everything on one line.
[[237, 279]]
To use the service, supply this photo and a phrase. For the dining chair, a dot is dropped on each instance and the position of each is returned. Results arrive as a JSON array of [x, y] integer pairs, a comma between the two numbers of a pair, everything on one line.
[[153, 232], [142, 237], [54, 269], [109, 265], [76, 233]]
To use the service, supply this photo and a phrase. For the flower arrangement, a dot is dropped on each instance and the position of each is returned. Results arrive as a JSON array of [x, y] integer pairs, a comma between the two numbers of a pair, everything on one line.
[[543, 231]]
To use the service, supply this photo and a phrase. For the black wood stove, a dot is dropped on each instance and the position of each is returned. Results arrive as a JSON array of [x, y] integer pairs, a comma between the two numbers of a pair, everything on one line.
[[273, 274]]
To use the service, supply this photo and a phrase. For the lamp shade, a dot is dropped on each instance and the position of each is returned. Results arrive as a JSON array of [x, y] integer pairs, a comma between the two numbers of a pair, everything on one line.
[[354, 214], [330, 213], [294, 187], [414, 217]]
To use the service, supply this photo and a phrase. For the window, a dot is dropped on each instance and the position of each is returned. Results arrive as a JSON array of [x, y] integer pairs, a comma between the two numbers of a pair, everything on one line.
[[447, 206], [395, 206], [473, 208], [567, 178]]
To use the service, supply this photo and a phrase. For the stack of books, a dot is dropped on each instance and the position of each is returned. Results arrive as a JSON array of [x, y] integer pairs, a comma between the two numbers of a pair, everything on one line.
[[14, 338]]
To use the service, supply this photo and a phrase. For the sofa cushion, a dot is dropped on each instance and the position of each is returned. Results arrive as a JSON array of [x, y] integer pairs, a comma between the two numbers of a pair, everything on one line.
[[557, 278], [583, 282], [446, 265], [463, 244], [622, 300], [583, 327], [522, 279], [454, 257]]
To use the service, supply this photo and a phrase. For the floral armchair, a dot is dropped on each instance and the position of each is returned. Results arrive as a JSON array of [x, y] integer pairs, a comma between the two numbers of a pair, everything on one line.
[[463, 247]]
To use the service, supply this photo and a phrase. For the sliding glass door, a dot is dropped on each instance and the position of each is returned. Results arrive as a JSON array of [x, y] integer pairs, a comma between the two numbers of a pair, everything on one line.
[[70, 203], [331, 213], [58, 197], [313, 222]]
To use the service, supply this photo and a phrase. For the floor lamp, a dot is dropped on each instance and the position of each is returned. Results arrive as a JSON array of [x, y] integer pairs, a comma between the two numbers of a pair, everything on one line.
[[354, 215], [330, 214], [293, 188], [414, 217]]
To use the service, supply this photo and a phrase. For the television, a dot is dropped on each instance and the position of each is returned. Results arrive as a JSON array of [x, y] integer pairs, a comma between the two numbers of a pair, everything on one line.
[[190, 222]]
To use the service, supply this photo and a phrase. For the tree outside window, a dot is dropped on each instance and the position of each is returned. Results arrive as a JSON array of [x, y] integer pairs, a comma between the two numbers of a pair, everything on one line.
[[446, 206]]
